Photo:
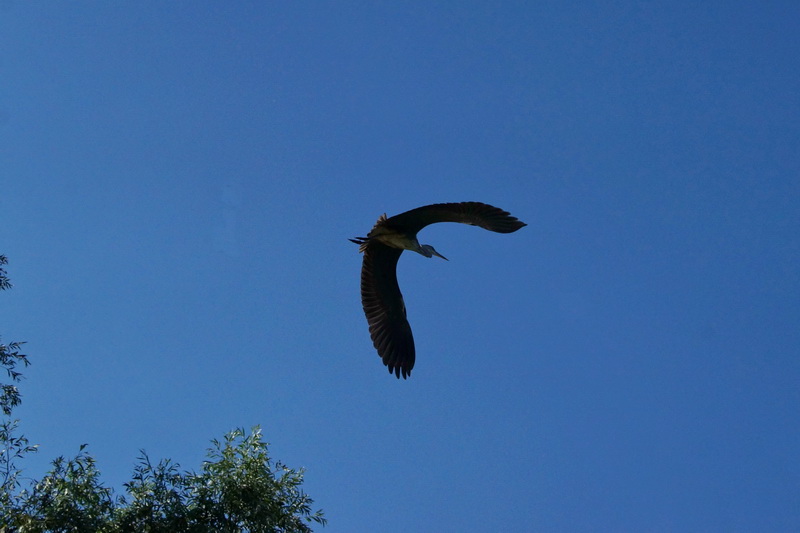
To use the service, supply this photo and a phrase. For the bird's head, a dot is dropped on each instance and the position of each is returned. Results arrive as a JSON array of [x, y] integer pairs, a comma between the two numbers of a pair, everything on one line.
[[428, 251]]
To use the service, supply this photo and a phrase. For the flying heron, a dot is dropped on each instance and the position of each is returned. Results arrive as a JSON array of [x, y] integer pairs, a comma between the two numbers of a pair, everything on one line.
[[380, 295]]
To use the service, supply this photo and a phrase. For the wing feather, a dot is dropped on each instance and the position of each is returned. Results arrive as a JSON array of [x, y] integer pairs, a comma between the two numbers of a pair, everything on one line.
[[385, 310], [474, 213]]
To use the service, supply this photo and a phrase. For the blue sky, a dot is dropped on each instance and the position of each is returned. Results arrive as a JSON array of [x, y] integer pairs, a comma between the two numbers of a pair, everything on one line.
[[179, 181]]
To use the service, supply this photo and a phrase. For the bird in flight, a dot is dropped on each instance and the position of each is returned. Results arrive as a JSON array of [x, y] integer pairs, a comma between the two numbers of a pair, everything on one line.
[[380, 295]]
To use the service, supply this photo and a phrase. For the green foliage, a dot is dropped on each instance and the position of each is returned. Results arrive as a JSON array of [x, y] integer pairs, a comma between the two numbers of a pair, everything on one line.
[[10, 358], [4, 281], [69, 498], [239, 487], [158, 499], [12, 447]]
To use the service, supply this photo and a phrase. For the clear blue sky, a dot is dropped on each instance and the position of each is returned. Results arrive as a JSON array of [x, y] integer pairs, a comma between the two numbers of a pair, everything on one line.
[[178, 182]]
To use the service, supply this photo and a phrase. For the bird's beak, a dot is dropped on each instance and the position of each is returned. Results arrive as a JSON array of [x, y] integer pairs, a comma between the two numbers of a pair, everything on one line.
[[437, 254]]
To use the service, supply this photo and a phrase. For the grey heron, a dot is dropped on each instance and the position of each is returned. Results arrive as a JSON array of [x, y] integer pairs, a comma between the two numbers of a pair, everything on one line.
[[380, 294]]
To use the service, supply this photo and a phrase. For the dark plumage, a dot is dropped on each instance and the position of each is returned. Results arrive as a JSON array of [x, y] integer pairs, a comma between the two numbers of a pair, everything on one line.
[[380, 295]]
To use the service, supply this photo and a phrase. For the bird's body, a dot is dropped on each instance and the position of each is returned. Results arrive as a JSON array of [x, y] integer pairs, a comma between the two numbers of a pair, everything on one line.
[[383, 232], [380, 294]]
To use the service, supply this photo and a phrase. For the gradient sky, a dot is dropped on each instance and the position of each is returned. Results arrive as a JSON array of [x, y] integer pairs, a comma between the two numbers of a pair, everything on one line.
[[178, 181]]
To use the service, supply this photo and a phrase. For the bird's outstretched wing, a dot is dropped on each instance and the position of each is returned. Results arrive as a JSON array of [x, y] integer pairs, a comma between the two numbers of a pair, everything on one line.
[[385, 309], [474, 213]]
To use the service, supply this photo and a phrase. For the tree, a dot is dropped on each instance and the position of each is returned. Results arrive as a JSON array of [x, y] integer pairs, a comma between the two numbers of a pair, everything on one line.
[[9, 357], [239, 487], [12, 448]]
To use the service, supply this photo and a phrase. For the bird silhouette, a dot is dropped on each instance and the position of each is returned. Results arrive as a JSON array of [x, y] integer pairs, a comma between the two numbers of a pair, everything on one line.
[[380, 294]]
